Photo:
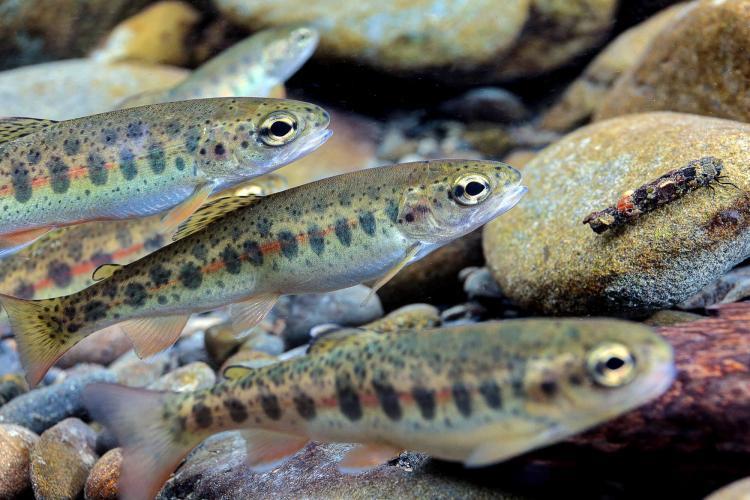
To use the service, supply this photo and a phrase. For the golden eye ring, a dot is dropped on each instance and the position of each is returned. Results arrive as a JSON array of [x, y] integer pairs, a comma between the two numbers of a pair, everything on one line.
[[611, 364], [279, 128], [471, 189]]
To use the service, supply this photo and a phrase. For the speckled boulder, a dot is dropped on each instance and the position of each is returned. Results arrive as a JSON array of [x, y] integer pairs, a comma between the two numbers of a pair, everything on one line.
[[545, 259], [698, 64], [16, 443], [102, 483], [192, 377]]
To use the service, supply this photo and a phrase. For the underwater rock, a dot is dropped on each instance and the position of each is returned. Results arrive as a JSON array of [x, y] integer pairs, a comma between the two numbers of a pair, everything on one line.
[[668, 317], [102, 348], [42, 408], [435, 277], [584, 96], [738, 490], [62, 459], [462, 314], [79, 87], [218, 469], [732, 287], [262, 341], [192, 377], [10, 362], [411, 317], [486, 104], [345, 307], [102, 483], [33, 31], [707, 409], [190, 349], [479, 283], [158, 34], [221, 341], [12, 385], [545, 259], [16, 443], [132, 371], [697, 64], [489, 139], [520, 157]]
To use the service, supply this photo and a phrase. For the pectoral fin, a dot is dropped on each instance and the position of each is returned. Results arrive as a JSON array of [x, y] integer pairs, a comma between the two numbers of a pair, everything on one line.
[[498, 450], [367, 456], [268, 449], [249, 313], [410, 254], [184, 210], [12, 242], [152, 335]]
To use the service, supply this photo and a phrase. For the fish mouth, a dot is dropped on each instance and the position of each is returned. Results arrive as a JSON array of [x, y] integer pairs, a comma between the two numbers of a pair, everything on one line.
[[314, 141], [510, 199]]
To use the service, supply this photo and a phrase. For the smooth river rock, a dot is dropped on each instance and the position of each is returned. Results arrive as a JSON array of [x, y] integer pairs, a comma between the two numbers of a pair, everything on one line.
[[546, 260], [16, 443]]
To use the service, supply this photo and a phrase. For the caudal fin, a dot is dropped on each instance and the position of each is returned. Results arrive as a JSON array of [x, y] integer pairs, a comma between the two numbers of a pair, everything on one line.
[[39, 335], [151, 448]]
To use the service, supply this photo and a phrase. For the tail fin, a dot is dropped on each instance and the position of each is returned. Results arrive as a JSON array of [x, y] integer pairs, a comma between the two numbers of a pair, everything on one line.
[[39, 335], [151, 449]]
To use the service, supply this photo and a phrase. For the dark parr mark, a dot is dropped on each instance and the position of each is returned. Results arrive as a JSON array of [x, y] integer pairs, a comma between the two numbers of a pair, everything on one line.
[[59, 273], [135, 130], [270, 405], [491, 394], [179, 163], [190, 276], [135, 294], [153, 243], [388, 399], [202, 415], [288, 243], [231, 260], [425, 400], [156, 158], [348, 400], [97, 169], [305, 406], [159, 275], [24, 290], [71, 146], [264, 227], [109, 136], [462, 398], [253, 252], [237, 410], [367, 223], [192, 139], [316, 238], [199, 251], [95, 310], [392, 211], [21, 182], [128, 166], [343, 232], [59, 175]]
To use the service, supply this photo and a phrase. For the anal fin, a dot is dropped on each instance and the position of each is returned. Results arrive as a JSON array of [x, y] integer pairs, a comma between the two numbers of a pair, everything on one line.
[[249, 313], [184, 210], [367, 456], [12, 242], [152, 335], [269, 449]]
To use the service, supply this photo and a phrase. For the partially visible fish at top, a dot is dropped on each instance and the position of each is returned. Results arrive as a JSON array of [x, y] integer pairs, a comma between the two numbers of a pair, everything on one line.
[[248, 251], [476, 394], [143, 161], [252, 68]]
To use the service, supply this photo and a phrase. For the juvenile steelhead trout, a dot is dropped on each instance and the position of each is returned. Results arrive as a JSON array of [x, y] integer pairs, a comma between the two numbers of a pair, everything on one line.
[[252, 67], [476, 394], [142, 161], [319, 237]]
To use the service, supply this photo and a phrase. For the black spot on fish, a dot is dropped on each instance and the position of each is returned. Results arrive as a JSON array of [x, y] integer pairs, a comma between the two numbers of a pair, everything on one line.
[[367, 223], [202, 415], [33, 157], [59, 175], [71, 146], [109, 137], [192, 139], [462, 398], [199, 251], [128, 166], [317, 240], [59, 273], [135, 294], [95, 310], [305, 406], [24, 290], [270, 405], [253, 252], [392, 211], [219, 150], [237, 410], [343, 232], [549, 388], [69, 312], [173, 128], [162, 299], [73, 327], [191, 276], [425, 400], [491, 394], [21, 181], [156, 158], [348, 400], [97, 168], [135, 130], [159, 275], [109, 289], [179, 163], [154, 243], [231, 260], [409, 217], [388, 399], [288, 244], [264, 227]]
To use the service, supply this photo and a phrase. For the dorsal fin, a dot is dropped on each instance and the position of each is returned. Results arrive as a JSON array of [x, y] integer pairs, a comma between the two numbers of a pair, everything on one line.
[[105, 271], [16, 127], [211, 211], [329, 339]]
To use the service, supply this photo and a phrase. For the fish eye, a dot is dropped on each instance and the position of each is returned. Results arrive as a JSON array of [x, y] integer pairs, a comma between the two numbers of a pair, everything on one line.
[[471, 189], [279, 128], [611, 364]]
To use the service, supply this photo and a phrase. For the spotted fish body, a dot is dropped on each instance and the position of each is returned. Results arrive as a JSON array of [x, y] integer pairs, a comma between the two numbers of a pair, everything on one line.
[[320, 237], [252, 67], [477, 394], [141, 161]]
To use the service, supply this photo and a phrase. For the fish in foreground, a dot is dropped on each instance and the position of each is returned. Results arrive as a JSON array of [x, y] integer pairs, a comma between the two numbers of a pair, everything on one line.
[[477, 394], [248, 251], [252, 67], [142, 161]]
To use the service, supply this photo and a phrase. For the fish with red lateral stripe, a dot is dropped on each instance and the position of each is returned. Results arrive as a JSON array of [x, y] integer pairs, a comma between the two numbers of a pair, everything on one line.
[[477, 394], [247, 251]]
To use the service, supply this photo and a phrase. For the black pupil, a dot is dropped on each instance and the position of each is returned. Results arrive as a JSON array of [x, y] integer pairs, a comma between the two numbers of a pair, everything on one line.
[[280, 128], [474, 188], [615, 363]]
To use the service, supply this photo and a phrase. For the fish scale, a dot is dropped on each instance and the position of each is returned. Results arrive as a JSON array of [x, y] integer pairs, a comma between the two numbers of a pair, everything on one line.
[[477, 394]]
